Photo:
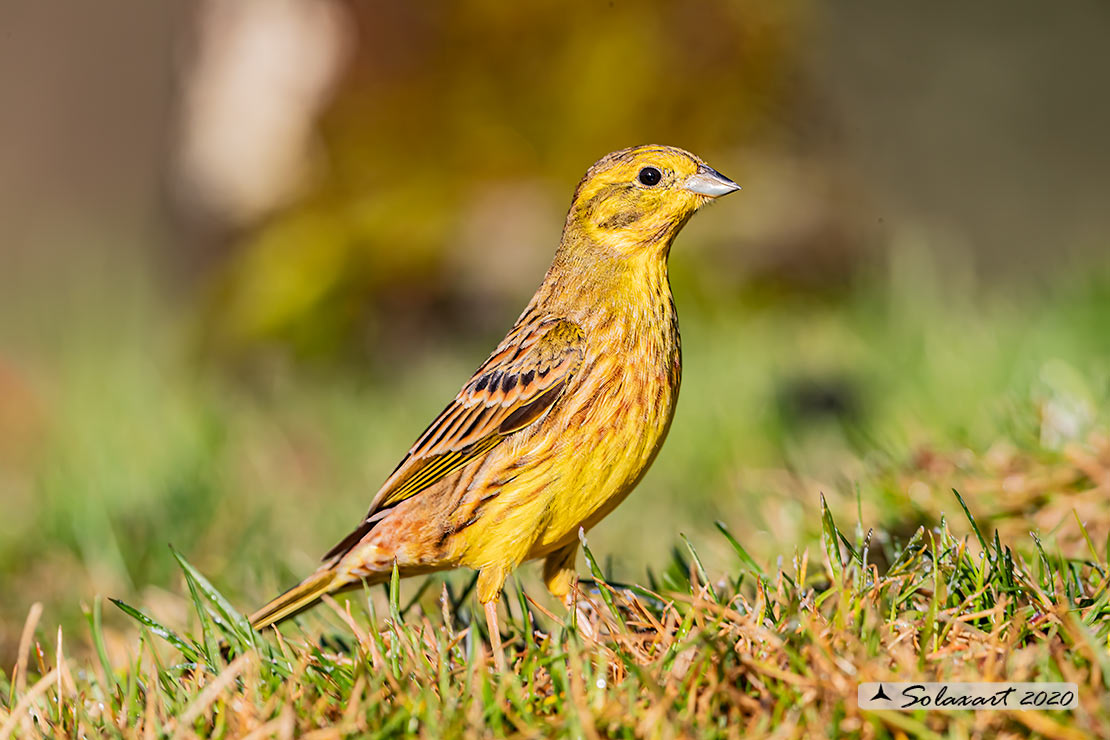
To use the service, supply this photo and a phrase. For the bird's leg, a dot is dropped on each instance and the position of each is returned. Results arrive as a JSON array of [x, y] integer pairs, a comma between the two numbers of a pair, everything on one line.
[[559, 574], [490, 582], [562, 582], [494, 635], [579, 606]]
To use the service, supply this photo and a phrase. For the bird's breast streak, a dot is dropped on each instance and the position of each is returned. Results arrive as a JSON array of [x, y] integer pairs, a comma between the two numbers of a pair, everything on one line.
[[588, 451], [606, 445]]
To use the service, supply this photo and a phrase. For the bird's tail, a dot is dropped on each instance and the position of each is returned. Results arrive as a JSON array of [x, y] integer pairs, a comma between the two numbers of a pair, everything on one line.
[[297, 599]]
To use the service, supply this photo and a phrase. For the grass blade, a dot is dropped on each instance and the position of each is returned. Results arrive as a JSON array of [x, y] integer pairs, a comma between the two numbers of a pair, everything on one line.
[[190, 652], [93, 616], [831, 537], [741, 553], [231, 615], [974, 526]]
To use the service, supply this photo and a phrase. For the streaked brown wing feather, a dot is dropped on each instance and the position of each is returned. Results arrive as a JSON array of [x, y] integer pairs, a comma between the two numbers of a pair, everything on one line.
[[523, 377]]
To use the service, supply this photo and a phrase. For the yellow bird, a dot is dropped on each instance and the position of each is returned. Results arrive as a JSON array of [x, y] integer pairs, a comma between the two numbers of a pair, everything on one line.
[[561, 422]]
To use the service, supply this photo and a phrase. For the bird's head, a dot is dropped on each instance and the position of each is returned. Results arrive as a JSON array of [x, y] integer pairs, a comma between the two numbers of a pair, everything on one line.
[[634, 201]]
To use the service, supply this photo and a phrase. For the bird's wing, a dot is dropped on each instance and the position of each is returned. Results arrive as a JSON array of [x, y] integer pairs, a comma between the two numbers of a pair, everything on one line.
[[521, 380]]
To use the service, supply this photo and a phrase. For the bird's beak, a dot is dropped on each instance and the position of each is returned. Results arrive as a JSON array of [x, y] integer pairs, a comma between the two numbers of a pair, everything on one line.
[[709, 182]]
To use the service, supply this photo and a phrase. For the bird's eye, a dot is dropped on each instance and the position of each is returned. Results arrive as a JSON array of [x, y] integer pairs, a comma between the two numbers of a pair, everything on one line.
[[650, 176]]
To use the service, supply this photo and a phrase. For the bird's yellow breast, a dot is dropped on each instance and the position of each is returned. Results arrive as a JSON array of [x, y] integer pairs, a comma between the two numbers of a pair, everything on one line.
[[594, 446]]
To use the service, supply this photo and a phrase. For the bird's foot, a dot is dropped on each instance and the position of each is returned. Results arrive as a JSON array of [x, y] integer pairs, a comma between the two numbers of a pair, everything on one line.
[[581, 608]]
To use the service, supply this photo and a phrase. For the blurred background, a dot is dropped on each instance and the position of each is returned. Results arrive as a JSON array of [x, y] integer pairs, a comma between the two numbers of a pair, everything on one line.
[[249, 249]]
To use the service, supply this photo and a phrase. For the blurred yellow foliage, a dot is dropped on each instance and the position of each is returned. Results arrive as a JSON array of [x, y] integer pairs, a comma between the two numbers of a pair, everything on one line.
[[444, 102]]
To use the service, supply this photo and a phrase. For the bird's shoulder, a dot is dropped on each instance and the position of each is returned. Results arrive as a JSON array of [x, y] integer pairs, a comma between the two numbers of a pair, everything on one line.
[[513, 388], [533, 357]]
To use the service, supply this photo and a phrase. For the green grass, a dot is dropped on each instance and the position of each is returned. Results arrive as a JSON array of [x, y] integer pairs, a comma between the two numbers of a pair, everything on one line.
[[826, 436], [747, 652]]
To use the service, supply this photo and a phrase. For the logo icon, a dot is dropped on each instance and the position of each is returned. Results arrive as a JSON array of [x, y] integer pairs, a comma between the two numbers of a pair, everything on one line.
[[880, 694]]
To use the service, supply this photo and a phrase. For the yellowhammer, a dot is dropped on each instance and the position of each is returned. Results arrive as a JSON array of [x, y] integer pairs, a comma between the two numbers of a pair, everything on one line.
[[562, 420]]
